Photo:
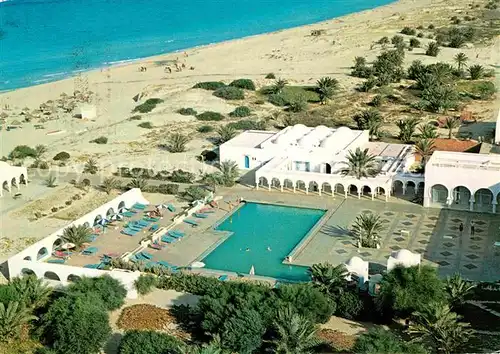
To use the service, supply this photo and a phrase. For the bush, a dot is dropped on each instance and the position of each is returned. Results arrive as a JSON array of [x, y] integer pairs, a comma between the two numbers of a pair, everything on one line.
[[420, 35], [149, 342], [136, 117], [379, 340], [397, 40], [210, 116], [245, 84], [241, 111], [209, 155], [181, 176], [246, 124], [349, 305], [209, 85], [229, 93], [110, 290], [148, 105], [277, 99], [484, 90], [408, 31], [145, 283], [384, 40], [177, 142], [145, 125], [187, 112], [76, 324], [377, 101], [271, 76], [22, 152], [431, 26], [169, 188], [414, 43], [432, 49], [100, 140], [61, 156], [368, 85], [193, 193], [298, 103], [205, 129]]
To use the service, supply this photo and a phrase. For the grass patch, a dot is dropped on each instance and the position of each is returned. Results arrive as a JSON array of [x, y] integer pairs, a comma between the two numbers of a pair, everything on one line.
[[187, 111], [240, 112], [289, 93], [205, 129], [148, 105], [209, 85], [210, 116]]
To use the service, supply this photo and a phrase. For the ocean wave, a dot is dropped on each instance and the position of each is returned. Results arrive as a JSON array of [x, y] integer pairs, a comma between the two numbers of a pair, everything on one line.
[[56, 74], [41, 81], [120, 61]]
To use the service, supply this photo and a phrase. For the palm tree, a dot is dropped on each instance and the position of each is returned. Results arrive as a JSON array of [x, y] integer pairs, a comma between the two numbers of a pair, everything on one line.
[[326, 88], [213, 348], [109, 184], [437, 324], [451, 123], [425, 148], [367, 229], [226, 133], [90, 167], [34, 293], [461, 60], [432, 49], [229, 172], [370, 120], [361, 164], [12, 318], [457, 289], [476, 72], [407, 129], [329, 279], [51, 181], [77, 235], [140, 183], [212, 179], [279, 85], [40, 150], [428, 131], [177, 142], [294, 333]]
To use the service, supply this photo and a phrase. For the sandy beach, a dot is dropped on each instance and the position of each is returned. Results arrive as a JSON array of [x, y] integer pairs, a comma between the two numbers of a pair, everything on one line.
[[292, 54]]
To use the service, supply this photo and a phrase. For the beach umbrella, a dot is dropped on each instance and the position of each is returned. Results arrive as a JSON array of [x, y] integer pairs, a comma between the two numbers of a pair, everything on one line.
[[116, 217], [197, 265], [15, 122], [68, 246], [102, 222], [252, 270], [122, 210]]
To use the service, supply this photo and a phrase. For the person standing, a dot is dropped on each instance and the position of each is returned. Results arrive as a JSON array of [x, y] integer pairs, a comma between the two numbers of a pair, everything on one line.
[[461, 228], [472, 228]]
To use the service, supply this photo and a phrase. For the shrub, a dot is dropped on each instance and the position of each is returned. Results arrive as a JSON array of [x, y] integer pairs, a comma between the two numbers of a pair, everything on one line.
[[169, 188], [209, 155], [414, 43], [271, 76], [384, 40], [397, 40], [193, 193], [420, 35], [177, 142], [245, 84], [61, 156], [246, 124], [210, 116], [408, 31], [484, 90], [277, 99], [476, 72], [349, 305], [241, 111], [209, 85], [100, 140], [431, 26], [148, 105], [297, 103], [205, 129], [368, 85], [136, 117], [76, 324], [187, 112], [181, 176], [379, 340], [432, 49], [225, 133], [145, 125], [149, 342], [110, 290], [377, 101], [229, 93], [21, 152], [145, 283]]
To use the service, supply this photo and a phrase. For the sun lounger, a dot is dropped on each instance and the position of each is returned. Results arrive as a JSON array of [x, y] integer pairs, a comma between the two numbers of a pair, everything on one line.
[[61, 254], [176, 232], [90, 250], [207, 210], [92, 266], [139, 206], [223, 277], [201, 216], [147, 255], [167, 265], [156, 246], [154, 228], [151, 219], [142, 223], [168, 239], [191, 222], [129, 232], [128, 214], [150, 265], [57, 261], [171, 208]]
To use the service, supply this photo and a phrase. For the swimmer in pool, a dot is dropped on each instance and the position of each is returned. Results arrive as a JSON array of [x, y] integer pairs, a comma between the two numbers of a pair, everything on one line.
[[248, 249], [269, 248]]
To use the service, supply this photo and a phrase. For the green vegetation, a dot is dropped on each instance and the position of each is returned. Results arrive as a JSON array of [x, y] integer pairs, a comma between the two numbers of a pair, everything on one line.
[[148, 105], [210, 116], [187, 111], [145, 125], [51, 181], [225, 133], [370, 120], [22, 152], [432, 49], [193, 193], [425, 148], [326, 88], [181, 176], [177, 142], [135, 117], [367, 229], [271, 76], [61, 156], [100, 140], [90, 167], [296, 96], [240, 112], [77, 235], [247, 124], [149, 342], [245, 84], [379, 340], [407, 129], [209, 85], [409, 31], [205, 129], [414, 43], [360, 164], [109, 184], [146, 283], [229, 93]]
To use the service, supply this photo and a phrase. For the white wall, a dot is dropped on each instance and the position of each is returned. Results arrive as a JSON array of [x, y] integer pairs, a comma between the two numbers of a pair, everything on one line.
[[497, 128], [237, 154]]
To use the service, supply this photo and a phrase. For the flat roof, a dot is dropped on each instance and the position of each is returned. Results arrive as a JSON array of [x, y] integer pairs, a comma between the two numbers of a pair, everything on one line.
[[385, 149], [250, 138], [464, 160]]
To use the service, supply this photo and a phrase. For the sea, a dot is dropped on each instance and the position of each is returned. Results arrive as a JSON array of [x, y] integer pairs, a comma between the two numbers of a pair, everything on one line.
[[47, 40]]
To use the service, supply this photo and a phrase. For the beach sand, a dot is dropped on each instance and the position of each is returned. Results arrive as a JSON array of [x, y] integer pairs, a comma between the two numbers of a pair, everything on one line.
[[292, 54]]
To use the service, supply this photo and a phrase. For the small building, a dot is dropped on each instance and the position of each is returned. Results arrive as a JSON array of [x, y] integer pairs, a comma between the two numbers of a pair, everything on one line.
[[86, 111]]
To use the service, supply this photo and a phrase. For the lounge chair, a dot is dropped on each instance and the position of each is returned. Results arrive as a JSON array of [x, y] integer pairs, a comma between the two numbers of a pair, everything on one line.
[[90, 250], [143, 223], [147, 255], [223, 277], [156, 246], [176, 232], [168, 239], [191, 222], [148, 219], [175, 235], [92, 266], [207, 210], [201, 215], [129, 232], [57, 261], [154, 228], [171, 207], [61, 254], [167, 265], [128, 214], [139, 206]]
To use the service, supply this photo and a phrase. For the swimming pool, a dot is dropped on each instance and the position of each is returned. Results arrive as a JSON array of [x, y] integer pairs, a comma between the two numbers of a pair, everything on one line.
[[263, 235]]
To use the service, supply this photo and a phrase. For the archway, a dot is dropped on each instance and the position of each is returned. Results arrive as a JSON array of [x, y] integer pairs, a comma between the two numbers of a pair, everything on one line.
[[51, 276], [56, 244], [275, 183], [22, 179], [313, 186], [263, 182], [27, 258], [326, 187], [13, 182], [353, 189], [328, 169], [461, 197], [379, 191], [121, 205], [483, 198], [288, 184], [410, 187], [42, 252], [27, 272], [73, 278], [301, 185], [366, 190], [109, 213], [5, 186], [339, 188], [397, 187], [439, 194], [97, 219]]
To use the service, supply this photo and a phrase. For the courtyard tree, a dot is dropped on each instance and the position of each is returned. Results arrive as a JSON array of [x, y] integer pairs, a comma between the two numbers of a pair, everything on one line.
[[90, 167], [294, 333], [451, 123], [13, 316], [437, 324], [109, 184], [461, 60], [367, 229], [425, 148], [326, 87], [457, 290], [361, 164], [229, 172], [370, 120], [193, 193], [383, 341], [405, 290], [329, 279], [407, 128], [77, 235]]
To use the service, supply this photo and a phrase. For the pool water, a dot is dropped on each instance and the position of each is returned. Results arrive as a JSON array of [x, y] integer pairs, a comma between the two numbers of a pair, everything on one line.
[[263, 235]]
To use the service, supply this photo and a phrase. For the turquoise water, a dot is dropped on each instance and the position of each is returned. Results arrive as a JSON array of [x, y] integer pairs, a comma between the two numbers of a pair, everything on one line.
[[46, 40], [256, 228]]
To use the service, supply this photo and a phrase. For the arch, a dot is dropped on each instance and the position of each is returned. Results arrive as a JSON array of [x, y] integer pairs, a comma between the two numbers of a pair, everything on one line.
[[328, 168], [73, 278], [410, 184], [51, 276], [398, 187], [27, 272], [421, 186], [57, 243], [5, 186], [353, 189], [439, 194], [313, 186], [483, 196], [301, 185], [461, 196], [13, 182], [263, 182], [379, 191], [22, 179], [27, 258], [110, 212], [326, 187], [339, 188], [42, 252], [121, 205], [366, 190], [288, 183], [97, 219], [275, 182]]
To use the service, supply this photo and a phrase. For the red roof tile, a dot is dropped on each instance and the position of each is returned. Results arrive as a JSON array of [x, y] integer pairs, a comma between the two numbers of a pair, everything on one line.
[[453, 145]]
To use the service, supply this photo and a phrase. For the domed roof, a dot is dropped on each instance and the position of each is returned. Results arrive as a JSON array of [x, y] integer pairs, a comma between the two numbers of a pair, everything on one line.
[[356, 262], [281, 139], [402, 255], [308, 140], [329, 142], [343, 130]]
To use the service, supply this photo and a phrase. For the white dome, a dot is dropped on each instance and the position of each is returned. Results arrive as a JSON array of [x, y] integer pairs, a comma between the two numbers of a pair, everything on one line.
[[356, 262], [402, 255], [343, 130], [308, 141], [281, 139], [329, 142]]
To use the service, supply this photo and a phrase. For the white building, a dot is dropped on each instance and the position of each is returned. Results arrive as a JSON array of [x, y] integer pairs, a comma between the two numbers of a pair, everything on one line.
[[312, 160], [12, 176]]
